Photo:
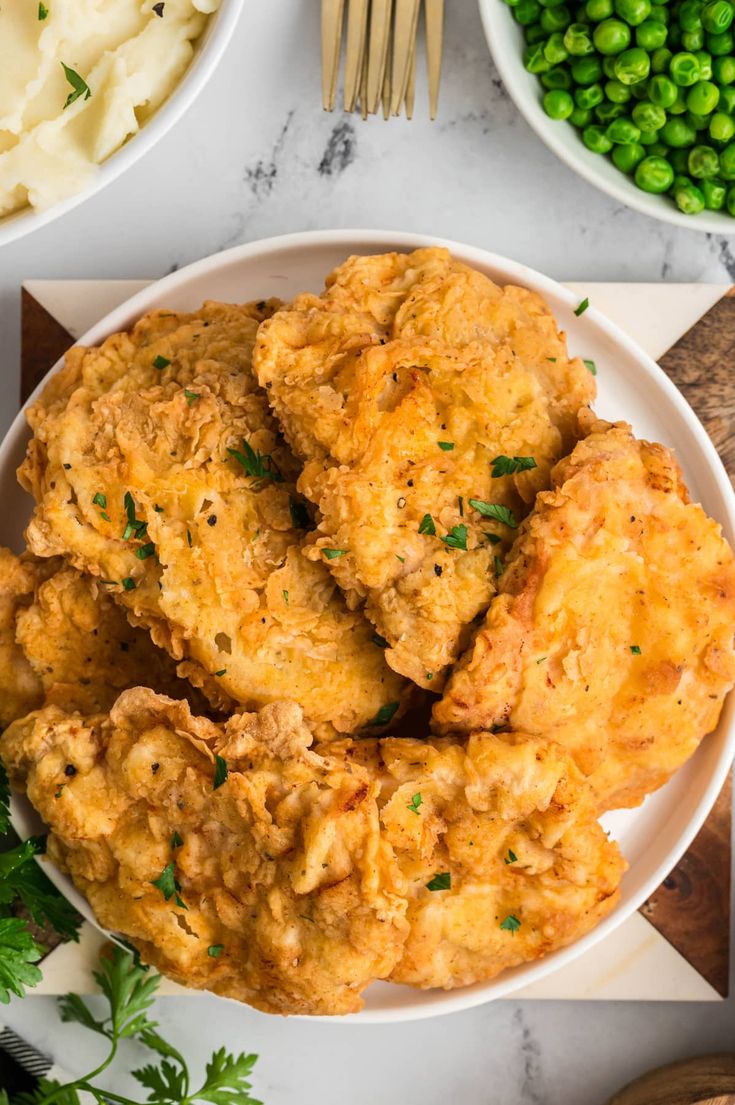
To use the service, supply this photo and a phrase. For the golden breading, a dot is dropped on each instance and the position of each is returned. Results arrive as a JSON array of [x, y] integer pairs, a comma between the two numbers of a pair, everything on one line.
[[158, 468], [613, 631], [305, 873], [399, 387], [288, 887], [64, 641], [501, 855]]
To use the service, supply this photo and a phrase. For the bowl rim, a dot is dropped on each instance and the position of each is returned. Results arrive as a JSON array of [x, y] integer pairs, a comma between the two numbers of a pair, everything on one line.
[[510, 67], [216, 37], [147, 298]]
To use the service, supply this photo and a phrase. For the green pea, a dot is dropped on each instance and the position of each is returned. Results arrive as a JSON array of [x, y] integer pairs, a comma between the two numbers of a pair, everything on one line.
[[651, 35], [703, 98], [648, 138], [678, 133], [559, 77], [586, 71], [727, 100], [634, 12], [623, 133], [659, 13], [554, 51], [555, 19], [687, 196], [703, 162], [589, 97], [679, 105], [577, 40], [633, 66], [616, 92], [596, 139], [692, 40], [699, 122], [550, 3], [723, 70], [608, 67], [720, 45], [612, 36], [558, 104], [533, 34], [527, 12], [534, 60], [654, 174], [660, 60], [598, 10], [648, 117], [626, 158], [690, 15], [581, 117], [730, 200], [607, 111], [661, 91], [684, 69], [705, 64], [714, 192], [717, 16], [678, 159], [511, 3], [727, 162], [658, 149], [721, 127]]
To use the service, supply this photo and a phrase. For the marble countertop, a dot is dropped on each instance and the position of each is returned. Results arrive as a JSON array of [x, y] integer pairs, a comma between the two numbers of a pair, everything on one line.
[[256, 156]]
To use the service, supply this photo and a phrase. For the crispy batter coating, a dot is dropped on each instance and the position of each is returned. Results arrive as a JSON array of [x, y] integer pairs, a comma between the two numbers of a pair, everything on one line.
[[63, 641], [304, 873], [399, 386], [158, 468], [613, 631]]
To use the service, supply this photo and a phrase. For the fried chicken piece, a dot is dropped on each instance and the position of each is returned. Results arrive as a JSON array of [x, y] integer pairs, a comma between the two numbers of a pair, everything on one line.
[[157, 467], [399, 387], [288, 886], [64, 641], [613, 630]]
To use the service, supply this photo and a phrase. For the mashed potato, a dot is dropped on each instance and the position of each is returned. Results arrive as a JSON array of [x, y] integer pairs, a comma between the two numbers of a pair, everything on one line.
[[111, 62]]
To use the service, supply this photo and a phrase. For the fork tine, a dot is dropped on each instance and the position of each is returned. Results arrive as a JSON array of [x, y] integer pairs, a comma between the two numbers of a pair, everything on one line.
[[404, 34], [387, 78], [380, 21], [411, 84], [363, 85], [434, 40], [332, 15], [357, 14]]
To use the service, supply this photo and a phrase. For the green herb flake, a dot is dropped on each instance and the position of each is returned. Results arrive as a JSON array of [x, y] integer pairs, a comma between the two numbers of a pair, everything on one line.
[[214, 951], [161, 362], [42, 12], [446, 446], [430, 675], [427, 525], [456, 538], [188, 538], [541, 659], [379, 641], [333, 554], [493, 538], [176, 841], [414, 804], [591, 367], [169, 885], [401, 558], [222, 671], [128, 584], [442, 881], [385, 713], [510, 924], [100, 500], [221, 771], [635, 649], [498, 567], [259, 466], [508, 466], [145, 551], [285, 597], [105, 516], [582, 307], [511, 857], [191, 396], [78, 84], [158, 509], [460, 506], [495, 510]]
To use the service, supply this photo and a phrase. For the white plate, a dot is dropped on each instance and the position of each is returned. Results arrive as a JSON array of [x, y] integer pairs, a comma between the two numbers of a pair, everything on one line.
[[208, 51], [631, 386], [506, 42]]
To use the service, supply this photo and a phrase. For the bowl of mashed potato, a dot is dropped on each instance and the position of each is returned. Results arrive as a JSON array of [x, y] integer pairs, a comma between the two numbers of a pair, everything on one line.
[[87, 86]]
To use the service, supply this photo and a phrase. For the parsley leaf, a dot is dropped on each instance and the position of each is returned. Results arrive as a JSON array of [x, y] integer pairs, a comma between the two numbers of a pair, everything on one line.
[[221, 771], [495, 510], [332, 554], [427, 525], [507, 466], [227, 1079], [100, 500], [446, 446], [385, 713], [161, 362], [169, 885], [582, 307], [22, 879], [510, 924], [191, 396], [285, 597], [414, 804], [4, 801], [259, 466], [635, 649], [591, 367], [511, 857], [176, 841], [456, 538], [442, 881], [78, 84], [222, 671], [42, 12], [19, 953], [128, 584], [145, 551], [498, 567], [493, 538], [214, 951]]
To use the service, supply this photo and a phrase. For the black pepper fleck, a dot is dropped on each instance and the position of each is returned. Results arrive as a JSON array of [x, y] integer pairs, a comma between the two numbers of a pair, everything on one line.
[[70, 770], [438, 569], [212, 520], [154, 768]]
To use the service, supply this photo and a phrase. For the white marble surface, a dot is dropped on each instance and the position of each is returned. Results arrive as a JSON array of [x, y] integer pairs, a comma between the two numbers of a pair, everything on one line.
[[255, 157]]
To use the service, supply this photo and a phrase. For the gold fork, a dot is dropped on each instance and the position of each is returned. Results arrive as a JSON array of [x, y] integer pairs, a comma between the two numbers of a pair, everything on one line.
[[380, 53]]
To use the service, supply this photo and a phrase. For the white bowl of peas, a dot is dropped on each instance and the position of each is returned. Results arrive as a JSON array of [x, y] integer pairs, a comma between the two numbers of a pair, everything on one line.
[[637, 96]]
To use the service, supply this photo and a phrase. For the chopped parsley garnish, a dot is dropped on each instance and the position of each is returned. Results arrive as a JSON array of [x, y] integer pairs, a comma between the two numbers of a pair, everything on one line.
[[511, 857], [299, 513], [541, 659], [635, 649], [427, 525], [259, 466], [414, 804], [495, 510], [460, 506], [456, 538], [493, 538], [105, 516], [128, 584], [285, 597], [507, 466], [169, 885], [78, 84], [446, 446], [191, 396], [379, 641], [582, 307], [135, 526], [222, 671], [59, 790], [100, 500], [214, 950], [591, 367], [401, 558], [332, 554], [442, 881], [510, 924], [176, 841], [498, 566], [42, 12], [158, 9], [221, 771], [158, 509], [161, 362], [385, 713], [188, 538], [145, 551]]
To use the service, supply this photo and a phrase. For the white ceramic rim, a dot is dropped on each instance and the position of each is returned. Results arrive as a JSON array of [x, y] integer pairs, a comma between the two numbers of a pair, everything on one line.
[[208, 53], [582, 161], [368, 240]]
